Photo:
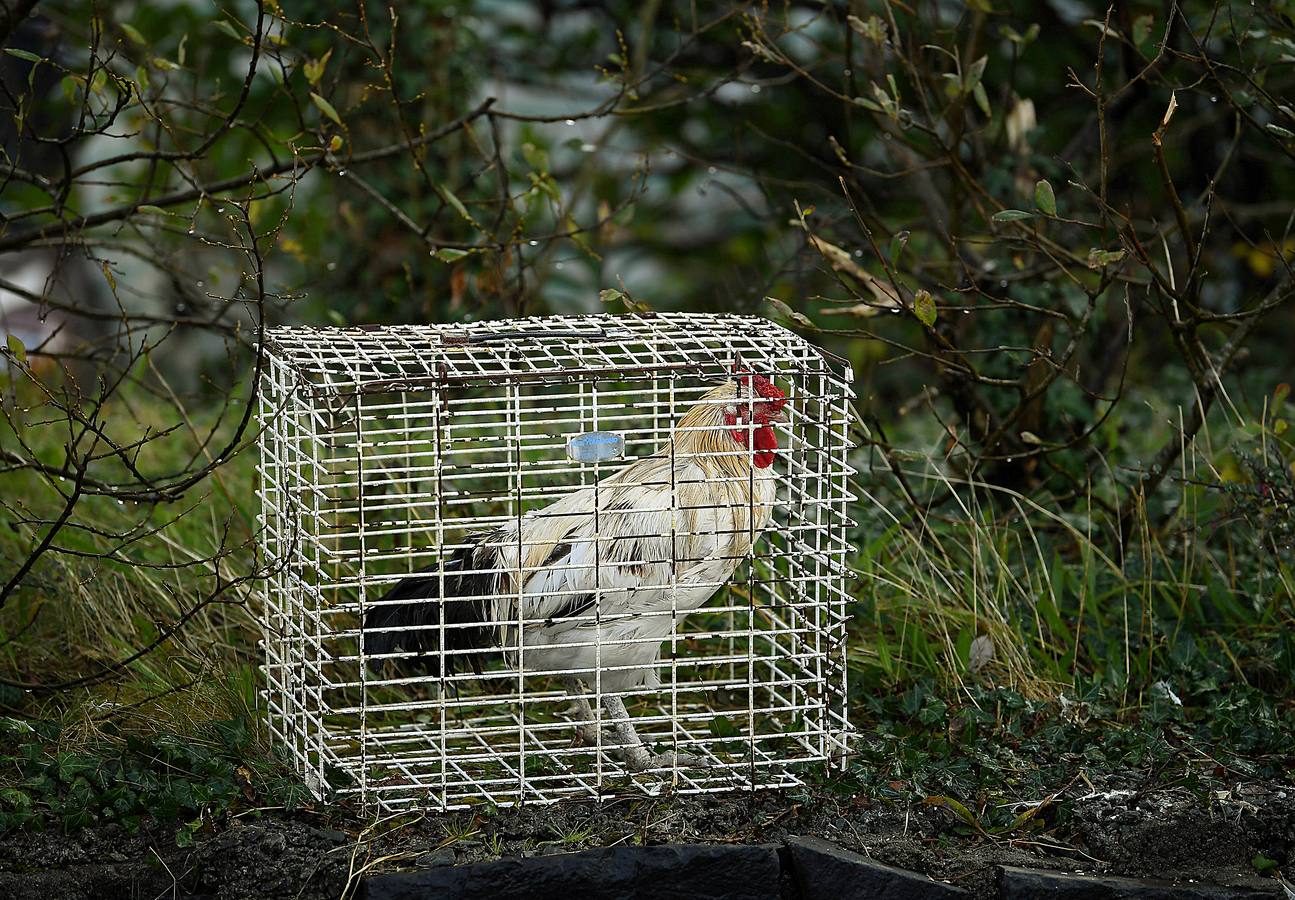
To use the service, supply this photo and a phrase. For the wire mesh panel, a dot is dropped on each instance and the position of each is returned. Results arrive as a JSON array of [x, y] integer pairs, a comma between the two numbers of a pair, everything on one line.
[[572, 556]]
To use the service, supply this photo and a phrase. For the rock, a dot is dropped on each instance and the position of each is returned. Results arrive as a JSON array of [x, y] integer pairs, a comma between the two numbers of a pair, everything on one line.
[[442, 857], [675, 872], [1036, 884], [824, 871]]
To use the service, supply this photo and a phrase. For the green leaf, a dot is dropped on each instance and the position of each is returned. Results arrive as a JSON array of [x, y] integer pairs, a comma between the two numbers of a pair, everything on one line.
[[1279, 131], [722, 726], [1012, 215], [924, 308], [1044, 198], [974, 73], [450, 254], [1263, 864], [610, 295], [24, 54], [325, 107], [455, 202], [1142, 29], [799, 318], [897, 245], [535, 157], [982, 100], [133, 33], [225, 26], [16, 348], [149, 208]]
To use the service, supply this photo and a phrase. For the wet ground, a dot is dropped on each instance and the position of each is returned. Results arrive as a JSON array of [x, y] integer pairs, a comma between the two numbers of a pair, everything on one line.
[[1114, 826]]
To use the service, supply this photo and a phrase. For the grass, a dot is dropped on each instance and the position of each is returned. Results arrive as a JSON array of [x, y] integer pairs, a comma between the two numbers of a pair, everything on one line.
[[1000, 642]]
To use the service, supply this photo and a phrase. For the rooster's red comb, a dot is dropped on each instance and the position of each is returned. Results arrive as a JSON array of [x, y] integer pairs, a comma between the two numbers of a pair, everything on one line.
[[760, 385]]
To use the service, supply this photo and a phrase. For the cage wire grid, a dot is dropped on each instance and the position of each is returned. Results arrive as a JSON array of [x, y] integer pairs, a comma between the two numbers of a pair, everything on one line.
[[385, 450]]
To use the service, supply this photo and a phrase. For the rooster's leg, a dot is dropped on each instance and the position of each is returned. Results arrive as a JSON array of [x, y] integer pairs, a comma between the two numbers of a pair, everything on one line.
[[629, 745], [586, 726], [631, 749]]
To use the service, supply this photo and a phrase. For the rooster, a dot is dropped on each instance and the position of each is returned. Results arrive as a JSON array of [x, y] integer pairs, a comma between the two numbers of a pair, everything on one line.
[[603, 606]]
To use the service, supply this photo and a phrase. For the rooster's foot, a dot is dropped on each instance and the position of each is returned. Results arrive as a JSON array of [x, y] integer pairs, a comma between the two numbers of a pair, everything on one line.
[[670, 759]]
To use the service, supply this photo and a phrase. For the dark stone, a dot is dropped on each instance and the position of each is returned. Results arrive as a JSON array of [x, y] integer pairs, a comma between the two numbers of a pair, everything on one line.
[[1036, 884], [825, 871], [673, 872], [442, 857]]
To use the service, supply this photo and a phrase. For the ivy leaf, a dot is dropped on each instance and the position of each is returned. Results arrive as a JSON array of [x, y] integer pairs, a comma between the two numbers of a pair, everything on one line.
[[1044, 198], [1012, 215], [924, 308], [722, 727], [325, 107]]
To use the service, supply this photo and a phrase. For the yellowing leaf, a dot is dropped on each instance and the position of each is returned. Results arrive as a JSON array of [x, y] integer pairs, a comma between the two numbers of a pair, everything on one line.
[[840, 260], [133, 33], [314, 68], [924, 308], [16, 348]]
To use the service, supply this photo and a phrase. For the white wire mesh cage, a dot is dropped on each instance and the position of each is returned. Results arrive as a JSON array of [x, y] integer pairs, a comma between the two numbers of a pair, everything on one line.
[[573, 556]]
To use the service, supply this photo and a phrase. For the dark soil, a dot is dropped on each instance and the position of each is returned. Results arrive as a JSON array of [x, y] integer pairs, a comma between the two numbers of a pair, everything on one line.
[[1113, 827]]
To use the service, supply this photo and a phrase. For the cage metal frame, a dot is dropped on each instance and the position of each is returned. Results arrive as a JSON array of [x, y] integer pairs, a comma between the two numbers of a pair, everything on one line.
[[362, 424]]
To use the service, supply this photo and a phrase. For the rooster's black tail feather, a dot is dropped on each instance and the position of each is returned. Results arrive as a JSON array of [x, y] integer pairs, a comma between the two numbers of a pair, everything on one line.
[[409, 617]]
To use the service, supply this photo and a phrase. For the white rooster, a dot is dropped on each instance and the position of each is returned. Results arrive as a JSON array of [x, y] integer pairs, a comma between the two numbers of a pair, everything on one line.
[[709, 488]]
